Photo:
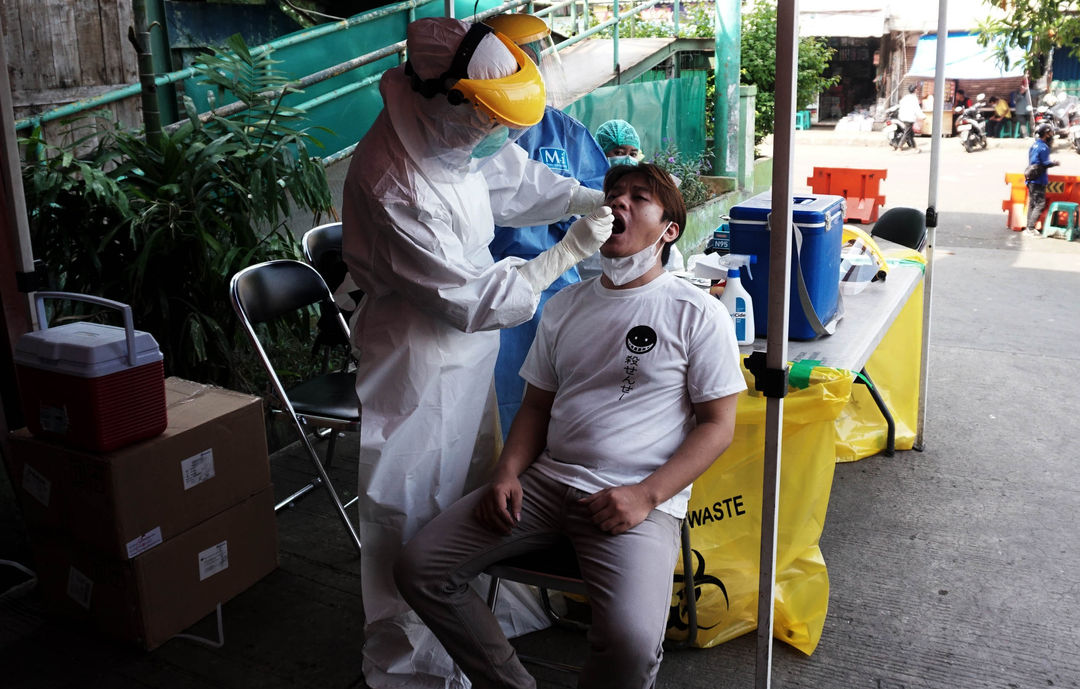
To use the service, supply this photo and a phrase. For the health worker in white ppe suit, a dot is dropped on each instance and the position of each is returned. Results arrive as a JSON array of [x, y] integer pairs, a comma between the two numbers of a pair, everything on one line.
[[564, 145], [419, 211]]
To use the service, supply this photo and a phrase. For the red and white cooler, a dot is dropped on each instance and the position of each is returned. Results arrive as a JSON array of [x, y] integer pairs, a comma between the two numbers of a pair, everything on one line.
[[88, 385]]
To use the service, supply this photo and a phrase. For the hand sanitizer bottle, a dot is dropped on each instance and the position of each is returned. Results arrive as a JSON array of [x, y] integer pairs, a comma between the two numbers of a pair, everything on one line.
[[740, 306]]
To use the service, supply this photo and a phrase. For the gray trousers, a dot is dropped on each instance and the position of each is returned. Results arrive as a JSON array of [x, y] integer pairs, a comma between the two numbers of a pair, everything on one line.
[[628, 577], [1036, 203]]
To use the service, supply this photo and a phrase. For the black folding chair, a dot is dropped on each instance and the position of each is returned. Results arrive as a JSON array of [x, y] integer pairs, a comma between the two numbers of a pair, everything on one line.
[[264, 293], [322, 250], [906, 226], [556, 568]]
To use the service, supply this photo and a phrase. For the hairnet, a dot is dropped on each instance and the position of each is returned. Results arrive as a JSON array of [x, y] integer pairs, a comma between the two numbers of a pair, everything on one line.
[[617, 133], [433, 42]]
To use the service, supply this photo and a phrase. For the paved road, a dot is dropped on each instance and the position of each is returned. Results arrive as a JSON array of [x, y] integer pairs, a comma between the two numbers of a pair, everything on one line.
[[968, 182]]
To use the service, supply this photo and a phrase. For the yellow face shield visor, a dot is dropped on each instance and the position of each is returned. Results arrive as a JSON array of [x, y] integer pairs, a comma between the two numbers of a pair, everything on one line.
[[516, 101]]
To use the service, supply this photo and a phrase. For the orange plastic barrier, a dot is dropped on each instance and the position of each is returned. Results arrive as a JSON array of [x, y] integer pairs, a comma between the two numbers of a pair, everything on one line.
[[1060, 188], [858, 186]]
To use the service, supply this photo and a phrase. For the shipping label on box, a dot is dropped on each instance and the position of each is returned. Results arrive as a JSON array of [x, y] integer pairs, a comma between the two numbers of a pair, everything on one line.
[[197, 468], [36, 485], [213, 560], [138, 546], [80, 588]]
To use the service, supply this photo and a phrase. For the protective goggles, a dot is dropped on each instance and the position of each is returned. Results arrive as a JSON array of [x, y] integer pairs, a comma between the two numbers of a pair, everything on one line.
[[516, 101]]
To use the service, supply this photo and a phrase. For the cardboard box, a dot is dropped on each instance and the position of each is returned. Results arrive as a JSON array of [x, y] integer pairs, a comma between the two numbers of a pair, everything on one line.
[[160, 593], [212, 456]]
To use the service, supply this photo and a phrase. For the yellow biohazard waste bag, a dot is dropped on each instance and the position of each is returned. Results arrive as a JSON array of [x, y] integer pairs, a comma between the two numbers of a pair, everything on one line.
[[725, 519], [894, 368]]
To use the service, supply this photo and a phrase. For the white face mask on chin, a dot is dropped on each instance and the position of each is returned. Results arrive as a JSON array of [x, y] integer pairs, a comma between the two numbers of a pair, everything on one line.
[[623, 269]]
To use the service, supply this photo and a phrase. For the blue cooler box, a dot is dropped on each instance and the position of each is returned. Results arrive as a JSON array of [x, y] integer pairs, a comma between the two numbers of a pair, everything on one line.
[[821, 219]]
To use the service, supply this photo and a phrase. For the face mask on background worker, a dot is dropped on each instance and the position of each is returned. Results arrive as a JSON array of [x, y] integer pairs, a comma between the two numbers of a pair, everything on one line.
[[491, 143], [619, 140]]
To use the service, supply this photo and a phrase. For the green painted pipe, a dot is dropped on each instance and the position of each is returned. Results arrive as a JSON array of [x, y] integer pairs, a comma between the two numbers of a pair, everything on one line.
[[172, 77]]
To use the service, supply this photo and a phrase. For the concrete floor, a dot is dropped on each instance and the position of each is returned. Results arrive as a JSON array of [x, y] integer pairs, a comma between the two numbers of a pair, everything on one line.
[[951, 567]]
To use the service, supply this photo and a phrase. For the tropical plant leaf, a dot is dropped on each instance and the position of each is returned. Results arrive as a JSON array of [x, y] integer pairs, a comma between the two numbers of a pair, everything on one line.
[[164, 225]]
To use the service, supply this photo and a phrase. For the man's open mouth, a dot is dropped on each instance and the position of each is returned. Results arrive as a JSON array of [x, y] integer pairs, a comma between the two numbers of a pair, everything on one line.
[[618, 226]]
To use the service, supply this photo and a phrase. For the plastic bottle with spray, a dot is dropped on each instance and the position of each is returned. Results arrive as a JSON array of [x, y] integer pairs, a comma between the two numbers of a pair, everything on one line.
[[737, 299]]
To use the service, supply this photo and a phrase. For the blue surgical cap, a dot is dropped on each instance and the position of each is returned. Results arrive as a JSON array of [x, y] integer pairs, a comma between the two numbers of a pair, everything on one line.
[[617, 133]]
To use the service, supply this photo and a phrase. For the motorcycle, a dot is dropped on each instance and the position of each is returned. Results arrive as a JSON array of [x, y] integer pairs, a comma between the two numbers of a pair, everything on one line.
[[1072, 114], [894, 129], [970, 127], [1056, 115]]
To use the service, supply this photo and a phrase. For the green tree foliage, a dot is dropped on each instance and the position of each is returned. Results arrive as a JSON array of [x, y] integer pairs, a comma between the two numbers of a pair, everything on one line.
[[163, 225], [758, 66], [1035, 26]]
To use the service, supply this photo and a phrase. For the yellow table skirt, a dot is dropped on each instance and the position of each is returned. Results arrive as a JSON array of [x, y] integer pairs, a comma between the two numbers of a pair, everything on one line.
[[829, 420]]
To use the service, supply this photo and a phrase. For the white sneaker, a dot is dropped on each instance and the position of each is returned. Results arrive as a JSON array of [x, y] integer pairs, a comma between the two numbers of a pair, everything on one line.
[[1032, 233]]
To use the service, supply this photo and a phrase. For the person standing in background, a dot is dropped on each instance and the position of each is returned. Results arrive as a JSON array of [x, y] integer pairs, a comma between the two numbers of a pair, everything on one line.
[[1039, 154], [909, 113], [1020, 101]]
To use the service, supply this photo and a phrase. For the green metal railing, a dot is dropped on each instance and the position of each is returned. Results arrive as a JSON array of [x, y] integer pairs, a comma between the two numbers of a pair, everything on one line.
[[290, 40], [355, 63]]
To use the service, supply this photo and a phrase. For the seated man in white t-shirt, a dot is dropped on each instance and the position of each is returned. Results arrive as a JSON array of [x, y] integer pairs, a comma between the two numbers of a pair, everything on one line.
[[632, 381]]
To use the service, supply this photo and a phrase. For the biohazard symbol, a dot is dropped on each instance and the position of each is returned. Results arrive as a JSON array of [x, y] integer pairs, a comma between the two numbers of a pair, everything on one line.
[[679, 612], [1055, 187]]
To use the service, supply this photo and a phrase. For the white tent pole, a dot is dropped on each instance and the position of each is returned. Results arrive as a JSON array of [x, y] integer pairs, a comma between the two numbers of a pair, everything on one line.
[[787, 56], [931, 215]]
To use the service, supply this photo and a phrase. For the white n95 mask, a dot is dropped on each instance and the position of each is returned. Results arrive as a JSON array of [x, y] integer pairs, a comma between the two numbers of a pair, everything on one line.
[[623, 269]]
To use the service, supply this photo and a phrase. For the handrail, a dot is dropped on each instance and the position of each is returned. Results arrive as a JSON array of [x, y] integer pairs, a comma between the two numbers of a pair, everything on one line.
[[179, 75], [337, 70], [313, 78], [637, 9]]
